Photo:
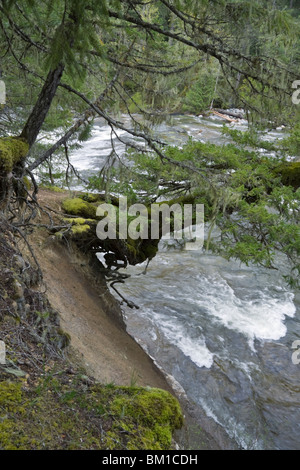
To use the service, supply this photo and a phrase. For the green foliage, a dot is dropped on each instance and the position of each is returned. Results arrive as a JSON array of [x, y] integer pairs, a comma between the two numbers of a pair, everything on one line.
[[200, 96], [76, 32], [85, 133], [206, 90], [254, 200], [291, 144], [251, 137], [290, 174]]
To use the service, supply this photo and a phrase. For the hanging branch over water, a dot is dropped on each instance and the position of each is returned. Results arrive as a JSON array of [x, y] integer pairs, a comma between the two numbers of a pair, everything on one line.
[[86, 117], [152, 142]]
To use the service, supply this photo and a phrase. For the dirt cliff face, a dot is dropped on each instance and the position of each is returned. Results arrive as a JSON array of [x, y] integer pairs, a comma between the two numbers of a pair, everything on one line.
[[89, 314], [92, 317]]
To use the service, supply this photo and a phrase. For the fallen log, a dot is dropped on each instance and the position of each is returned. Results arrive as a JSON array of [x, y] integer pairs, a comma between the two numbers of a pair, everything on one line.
[[230, 119], [230, 113]]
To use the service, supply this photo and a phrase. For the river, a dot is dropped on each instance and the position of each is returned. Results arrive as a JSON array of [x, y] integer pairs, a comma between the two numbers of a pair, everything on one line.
[[222, 330]]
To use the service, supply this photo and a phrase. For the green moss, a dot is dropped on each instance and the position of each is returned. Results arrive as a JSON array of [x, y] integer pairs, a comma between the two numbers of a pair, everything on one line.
[[12, 150], [10, 405], [154, 412], [80, 225], [63, 413], [77, 206], [10, 396], [78, 220], [290, 174], [53, 188], [79, 229], [27, 183], [90, 197]]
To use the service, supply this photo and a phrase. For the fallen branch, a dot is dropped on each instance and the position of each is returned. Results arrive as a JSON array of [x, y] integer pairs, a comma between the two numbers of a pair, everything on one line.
[[223, 116], [230, 113]]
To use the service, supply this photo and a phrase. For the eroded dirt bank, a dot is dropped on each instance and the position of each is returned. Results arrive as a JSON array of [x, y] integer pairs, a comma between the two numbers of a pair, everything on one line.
[[108, 353], [91, 316]]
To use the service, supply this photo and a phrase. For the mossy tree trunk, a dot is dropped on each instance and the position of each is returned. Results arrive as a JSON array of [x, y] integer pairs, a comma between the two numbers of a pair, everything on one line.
[[14, 150]]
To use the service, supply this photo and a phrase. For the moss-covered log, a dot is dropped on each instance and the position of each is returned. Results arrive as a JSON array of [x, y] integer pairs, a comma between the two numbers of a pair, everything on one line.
[[83, 232], [79, 207], [128, 250]]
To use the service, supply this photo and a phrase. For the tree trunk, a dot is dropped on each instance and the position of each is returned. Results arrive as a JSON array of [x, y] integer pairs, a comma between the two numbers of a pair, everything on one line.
[[42, 106], [14, 150]]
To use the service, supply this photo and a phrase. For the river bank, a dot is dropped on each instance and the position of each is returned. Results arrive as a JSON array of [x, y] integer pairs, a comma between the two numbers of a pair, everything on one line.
[[91, 316]]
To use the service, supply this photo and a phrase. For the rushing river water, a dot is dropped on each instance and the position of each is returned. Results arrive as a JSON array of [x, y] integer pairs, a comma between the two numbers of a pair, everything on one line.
[[224, 331]]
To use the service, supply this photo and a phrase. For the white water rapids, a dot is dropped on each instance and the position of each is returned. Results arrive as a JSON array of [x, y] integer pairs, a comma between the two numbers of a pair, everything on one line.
[[223, 330]]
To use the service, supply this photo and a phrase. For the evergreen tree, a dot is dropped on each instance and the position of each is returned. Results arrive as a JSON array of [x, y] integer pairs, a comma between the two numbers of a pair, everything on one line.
[[65, 62]]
